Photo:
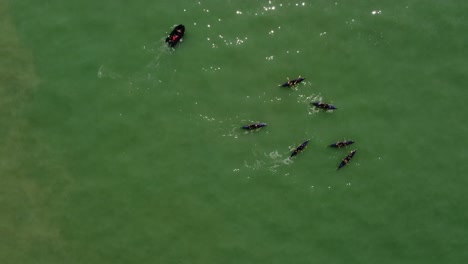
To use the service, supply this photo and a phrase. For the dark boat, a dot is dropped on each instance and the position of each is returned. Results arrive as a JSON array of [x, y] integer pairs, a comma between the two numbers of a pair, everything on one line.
[[176, 35], [254, 126], [291, 83], [324, 106], [346, 160], [299, 149], [340, 144]]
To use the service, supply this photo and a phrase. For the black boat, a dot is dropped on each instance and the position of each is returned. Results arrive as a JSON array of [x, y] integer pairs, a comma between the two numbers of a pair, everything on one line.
[[300, 148], [324, 106], [340, 144], [176, 35], [254, 126], [291, 83], [346, 160]]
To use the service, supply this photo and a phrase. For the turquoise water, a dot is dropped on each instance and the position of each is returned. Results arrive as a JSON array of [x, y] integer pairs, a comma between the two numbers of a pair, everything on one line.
[[117, 149]]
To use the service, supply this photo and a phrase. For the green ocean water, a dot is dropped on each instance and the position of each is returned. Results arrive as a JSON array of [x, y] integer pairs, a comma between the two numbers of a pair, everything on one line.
[[117, 149]]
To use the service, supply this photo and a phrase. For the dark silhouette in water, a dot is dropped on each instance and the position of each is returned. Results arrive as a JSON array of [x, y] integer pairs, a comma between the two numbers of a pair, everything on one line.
[[299, 148], [340, 144], [324, 106], [254, 126], [176, 35], [346, 160], [291, 83]]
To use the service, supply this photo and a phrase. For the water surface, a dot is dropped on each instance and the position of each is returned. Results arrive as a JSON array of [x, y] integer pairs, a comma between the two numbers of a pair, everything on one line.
[[117, 149]]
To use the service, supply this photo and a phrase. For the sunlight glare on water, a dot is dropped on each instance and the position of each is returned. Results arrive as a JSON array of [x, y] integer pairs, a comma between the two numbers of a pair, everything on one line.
[[110, 136]]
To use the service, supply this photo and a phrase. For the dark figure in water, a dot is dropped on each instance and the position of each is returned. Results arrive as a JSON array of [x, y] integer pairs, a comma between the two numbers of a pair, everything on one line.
[[175, 36], [291, 83], [346, 160], [340, 144], [324, 106], [254, 126], [300, 148]]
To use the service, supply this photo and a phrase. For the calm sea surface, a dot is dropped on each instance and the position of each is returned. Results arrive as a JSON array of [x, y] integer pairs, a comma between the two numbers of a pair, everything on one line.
[[116, 149]]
